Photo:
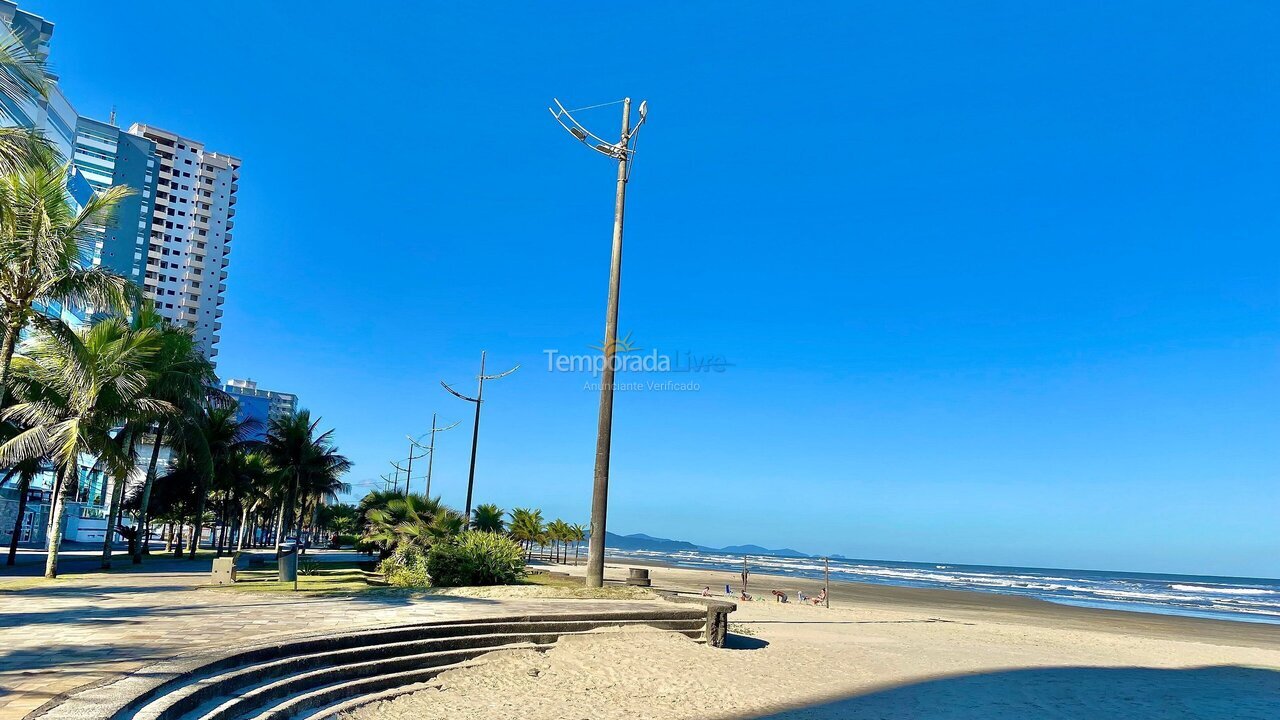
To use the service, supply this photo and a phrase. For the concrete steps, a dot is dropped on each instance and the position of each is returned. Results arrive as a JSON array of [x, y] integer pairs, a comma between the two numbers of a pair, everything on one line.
[[316, 677]]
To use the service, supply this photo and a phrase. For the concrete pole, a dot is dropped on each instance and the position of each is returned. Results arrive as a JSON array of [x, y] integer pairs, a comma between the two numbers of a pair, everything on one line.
[[475, 438], [408, 474], [431, 454], [826, 581], [604, 430]]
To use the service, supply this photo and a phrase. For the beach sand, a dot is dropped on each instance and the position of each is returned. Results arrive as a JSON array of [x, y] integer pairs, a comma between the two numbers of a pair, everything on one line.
[[878, 652]]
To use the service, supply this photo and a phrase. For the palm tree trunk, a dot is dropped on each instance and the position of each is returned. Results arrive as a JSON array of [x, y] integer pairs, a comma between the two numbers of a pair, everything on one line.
[[279, 529], [244, 526], [140, 544], [11, 331], [24, 485], [226, 524], [197, 524], [113, 512], [59, 515], [168, 537]]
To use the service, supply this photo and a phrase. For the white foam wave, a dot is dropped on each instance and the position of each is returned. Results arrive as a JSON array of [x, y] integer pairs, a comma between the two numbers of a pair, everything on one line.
[[1224, 589]]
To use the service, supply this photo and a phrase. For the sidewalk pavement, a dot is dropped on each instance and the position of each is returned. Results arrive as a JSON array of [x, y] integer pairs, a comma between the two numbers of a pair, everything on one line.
[[58, 635]]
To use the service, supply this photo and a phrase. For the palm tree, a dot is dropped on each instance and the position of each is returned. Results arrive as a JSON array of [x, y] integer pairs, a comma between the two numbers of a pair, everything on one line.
[[323, 483], [298, 452], [251, 479], [577, 534], [74, 391], [560, 533], [218, 436], [24, 78], [180, 375], [25, 471], [41, 242], [526, 527], [410, 520], [488, 518]]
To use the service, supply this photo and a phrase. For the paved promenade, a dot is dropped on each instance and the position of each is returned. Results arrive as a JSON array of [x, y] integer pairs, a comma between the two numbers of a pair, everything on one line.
[[56, 636]]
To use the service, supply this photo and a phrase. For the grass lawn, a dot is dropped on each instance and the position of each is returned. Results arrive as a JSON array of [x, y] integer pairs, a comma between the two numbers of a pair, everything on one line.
[[349, 579]]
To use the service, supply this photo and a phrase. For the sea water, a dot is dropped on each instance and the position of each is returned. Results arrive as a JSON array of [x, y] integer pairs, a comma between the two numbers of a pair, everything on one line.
[[1226, 598]]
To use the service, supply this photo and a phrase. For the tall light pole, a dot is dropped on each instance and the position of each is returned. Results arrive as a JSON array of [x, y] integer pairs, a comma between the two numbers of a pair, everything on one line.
[[408, 473], [396, 465], [623, 152], [395, 484], [475, 430], [431, 447]]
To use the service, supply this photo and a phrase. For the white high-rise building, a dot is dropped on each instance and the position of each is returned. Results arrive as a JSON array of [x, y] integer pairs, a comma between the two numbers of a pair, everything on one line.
[[191, 226]]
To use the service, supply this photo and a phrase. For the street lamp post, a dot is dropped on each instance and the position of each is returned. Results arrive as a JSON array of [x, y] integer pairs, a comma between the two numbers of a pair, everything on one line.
[[475, 429], [623, 152], [431, 447]]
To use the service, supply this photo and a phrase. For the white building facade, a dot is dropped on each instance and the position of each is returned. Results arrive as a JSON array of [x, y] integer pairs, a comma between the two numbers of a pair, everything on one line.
[[190, 245]]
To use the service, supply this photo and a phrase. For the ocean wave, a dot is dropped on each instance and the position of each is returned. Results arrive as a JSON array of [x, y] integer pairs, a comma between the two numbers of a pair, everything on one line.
[[1224, 589]]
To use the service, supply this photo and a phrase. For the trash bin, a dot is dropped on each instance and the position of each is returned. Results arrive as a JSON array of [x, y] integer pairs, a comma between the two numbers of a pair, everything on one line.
[[287, 563]]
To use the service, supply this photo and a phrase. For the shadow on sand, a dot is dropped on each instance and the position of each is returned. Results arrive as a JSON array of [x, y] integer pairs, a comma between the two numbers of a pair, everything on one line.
[[1073, 693]]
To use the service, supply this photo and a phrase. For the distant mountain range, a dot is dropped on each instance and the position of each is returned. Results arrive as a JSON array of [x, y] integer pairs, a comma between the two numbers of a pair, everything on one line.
[[640, 541]]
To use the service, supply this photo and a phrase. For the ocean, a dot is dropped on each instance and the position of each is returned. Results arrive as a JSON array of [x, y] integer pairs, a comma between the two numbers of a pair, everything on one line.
[[1205, 596]]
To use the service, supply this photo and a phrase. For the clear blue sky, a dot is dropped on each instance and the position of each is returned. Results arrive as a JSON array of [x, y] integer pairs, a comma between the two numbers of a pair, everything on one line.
[[998, 281]]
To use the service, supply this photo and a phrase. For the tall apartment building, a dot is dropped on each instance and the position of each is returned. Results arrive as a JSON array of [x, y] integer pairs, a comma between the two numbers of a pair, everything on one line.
[[108, 156], [260, 405], [190, 241], [54, 115]]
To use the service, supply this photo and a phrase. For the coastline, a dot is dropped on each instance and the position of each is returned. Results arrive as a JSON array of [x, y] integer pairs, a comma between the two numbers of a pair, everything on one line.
[[879, 652], [969, 604]]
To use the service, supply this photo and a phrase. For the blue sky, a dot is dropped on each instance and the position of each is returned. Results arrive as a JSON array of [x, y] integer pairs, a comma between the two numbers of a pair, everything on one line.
[[998, 282]]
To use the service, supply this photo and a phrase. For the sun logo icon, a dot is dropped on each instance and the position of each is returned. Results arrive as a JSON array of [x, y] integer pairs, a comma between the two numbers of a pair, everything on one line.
[[620, 346]]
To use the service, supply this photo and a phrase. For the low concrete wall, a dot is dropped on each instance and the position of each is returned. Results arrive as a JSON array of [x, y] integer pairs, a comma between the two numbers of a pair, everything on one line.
[[717, 615]]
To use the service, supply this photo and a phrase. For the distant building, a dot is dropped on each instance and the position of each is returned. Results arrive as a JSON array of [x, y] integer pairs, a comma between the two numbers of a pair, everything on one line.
[[260, 405], [190, 244]]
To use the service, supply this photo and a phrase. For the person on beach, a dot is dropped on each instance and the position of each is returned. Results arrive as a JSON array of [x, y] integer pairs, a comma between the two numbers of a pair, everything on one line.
[[706, 591], [822, 596], [800, 595], [744, 597], [779, 596]]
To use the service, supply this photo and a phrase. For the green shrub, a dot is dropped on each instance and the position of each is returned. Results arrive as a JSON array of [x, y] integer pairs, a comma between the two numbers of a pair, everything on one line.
[[475, 558], [345, 540], [406, 567]]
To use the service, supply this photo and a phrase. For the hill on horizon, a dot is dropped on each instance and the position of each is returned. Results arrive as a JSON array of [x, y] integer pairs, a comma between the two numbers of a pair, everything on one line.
[[642, 541]]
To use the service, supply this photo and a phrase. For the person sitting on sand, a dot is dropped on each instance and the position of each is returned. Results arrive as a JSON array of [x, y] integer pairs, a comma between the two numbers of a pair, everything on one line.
[[779, 596], [822, 597], [800, 595], [706, 591], [745, 597]]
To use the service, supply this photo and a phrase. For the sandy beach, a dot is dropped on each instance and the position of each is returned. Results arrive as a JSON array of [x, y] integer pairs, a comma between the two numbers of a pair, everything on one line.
[[878, 652]]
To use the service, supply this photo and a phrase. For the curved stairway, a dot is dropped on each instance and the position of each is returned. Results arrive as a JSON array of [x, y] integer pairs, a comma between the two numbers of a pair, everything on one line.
[[315, 677]]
